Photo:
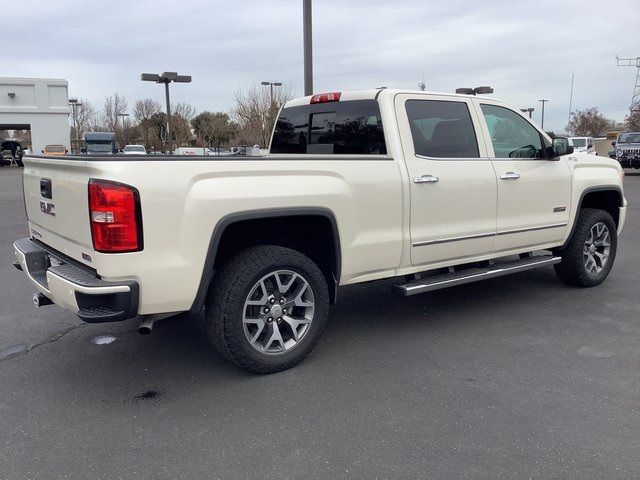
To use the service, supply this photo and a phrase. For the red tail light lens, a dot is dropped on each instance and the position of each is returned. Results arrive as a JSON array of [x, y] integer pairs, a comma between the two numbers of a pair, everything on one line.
[[326, 97], [114, 212]]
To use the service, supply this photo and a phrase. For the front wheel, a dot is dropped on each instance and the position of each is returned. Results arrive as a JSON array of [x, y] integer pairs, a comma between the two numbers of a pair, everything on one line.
[[589, 257], [267, 308]]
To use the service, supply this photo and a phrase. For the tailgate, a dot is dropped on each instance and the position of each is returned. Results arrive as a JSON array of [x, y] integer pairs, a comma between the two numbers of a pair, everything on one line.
[[56, 202]]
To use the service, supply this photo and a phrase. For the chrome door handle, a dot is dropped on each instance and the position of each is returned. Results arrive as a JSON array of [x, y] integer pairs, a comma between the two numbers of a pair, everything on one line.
[[425, 179], [510, 176]]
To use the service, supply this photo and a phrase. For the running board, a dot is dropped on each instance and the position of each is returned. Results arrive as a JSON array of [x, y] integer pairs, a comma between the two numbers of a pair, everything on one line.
[[436, 282]]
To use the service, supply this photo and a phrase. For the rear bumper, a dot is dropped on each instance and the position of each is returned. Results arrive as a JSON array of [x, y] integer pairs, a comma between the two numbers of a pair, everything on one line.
[[74, 287]]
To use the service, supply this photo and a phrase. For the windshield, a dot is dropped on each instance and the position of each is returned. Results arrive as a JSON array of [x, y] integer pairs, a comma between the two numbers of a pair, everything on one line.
[[134, 148], [99, 146], [579, 142], [54, 148], [629, 138]]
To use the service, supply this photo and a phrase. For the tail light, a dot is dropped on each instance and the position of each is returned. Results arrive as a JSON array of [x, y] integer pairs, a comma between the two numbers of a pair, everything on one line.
[[114, 212], [325, 97]]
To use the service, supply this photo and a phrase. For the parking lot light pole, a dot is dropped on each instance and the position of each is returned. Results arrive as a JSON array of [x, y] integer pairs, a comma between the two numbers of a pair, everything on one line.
[[166, 78], [124, 138], [543, 100], [75, 104], [529, 110], [271, 85]]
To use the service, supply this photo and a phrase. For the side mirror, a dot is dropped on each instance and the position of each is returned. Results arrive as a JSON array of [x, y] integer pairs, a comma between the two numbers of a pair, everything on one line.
[[42, 151], [613, 144], [561, 146], [83, 150]]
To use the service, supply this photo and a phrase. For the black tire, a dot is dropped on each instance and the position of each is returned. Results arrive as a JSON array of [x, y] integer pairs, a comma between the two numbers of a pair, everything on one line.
[[225, 303], [572, 269]]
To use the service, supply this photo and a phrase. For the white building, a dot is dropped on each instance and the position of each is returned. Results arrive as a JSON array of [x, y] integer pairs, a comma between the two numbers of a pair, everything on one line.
[[37, 104]]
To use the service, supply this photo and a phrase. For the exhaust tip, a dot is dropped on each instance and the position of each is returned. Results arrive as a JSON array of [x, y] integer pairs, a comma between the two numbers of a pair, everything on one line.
[[146, 325], [144, 330], [40, 300]]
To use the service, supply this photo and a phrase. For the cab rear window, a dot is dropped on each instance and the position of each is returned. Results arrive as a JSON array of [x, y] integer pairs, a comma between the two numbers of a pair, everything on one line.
[[351, 128]]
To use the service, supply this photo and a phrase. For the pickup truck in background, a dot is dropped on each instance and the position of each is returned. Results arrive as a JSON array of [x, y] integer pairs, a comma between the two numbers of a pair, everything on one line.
[[433, 190]]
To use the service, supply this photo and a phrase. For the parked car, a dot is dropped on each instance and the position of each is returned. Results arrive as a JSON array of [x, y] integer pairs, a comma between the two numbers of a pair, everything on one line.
[[11, 151], [627, 149], [55, 150], [432, 190], [582, 144], [134, 150]]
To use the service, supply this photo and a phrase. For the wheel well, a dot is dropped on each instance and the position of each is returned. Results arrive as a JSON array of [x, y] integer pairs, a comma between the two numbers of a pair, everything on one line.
[[313, 235], [608, 200]]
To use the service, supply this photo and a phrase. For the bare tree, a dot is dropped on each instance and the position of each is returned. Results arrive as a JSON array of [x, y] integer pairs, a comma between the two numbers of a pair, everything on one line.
[[143, 111], [255, 112], [114, 106], [589, 123], [24, 137], [632, 121], [82, 116], [184, 110], [145, 108]]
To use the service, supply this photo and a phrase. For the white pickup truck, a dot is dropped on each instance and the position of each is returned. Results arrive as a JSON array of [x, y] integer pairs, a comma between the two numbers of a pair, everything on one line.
[[432, 189]]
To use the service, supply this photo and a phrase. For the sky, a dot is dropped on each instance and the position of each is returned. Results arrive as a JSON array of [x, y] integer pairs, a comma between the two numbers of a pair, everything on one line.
[[525, 50]]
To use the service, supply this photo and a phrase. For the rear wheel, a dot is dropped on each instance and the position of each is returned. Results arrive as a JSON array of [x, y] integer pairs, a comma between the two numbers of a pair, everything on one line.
[[267, 308], [589, 257]]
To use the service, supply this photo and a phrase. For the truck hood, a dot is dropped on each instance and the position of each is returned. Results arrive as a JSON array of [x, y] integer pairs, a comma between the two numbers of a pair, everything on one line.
[[582, 159]]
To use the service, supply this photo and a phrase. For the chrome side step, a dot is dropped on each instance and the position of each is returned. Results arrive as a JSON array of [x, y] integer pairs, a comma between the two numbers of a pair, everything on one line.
[[444, 280]]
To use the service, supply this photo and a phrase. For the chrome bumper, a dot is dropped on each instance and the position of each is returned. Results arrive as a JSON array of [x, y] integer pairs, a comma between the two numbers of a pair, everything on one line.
[[74, 287]]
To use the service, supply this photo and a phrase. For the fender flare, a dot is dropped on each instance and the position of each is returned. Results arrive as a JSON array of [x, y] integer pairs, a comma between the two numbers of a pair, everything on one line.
[[228, 220], [585, 192]]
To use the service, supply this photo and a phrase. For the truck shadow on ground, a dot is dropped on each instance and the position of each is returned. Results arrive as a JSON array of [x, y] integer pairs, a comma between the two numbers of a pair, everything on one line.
[[369, 323], [367, 312]]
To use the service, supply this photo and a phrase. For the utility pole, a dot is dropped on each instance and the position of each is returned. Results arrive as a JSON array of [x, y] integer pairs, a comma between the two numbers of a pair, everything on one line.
[[571, 98], [543, 100], [308, 50], [166, 78], [632, 62], [75, 104]]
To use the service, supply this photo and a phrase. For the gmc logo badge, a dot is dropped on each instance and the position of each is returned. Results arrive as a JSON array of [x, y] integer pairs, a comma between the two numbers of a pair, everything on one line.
[[48, 208]]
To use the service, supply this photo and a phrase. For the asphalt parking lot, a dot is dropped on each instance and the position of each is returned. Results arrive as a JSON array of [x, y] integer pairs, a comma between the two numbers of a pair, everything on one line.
[[519, 377]]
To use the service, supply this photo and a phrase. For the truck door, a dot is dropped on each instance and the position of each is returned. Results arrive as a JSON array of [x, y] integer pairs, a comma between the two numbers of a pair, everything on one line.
[[452, 181], [534, 192]]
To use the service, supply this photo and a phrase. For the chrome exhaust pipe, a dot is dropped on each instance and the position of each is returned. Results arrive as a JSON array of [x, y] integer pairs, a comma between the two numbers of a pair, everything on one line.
[[146, 325], [40, 300], [148, 321]]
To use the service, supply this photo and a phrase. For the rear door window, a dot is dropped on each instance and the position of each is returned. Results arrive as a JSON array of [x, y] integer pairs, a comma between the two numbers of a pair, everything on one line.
[[353, 127], [442, 129]]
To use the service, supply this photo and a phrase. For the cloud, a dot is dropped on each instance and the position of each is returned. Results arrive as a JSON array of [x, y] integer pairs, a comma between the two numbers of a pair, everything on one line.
[[525, 50]]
